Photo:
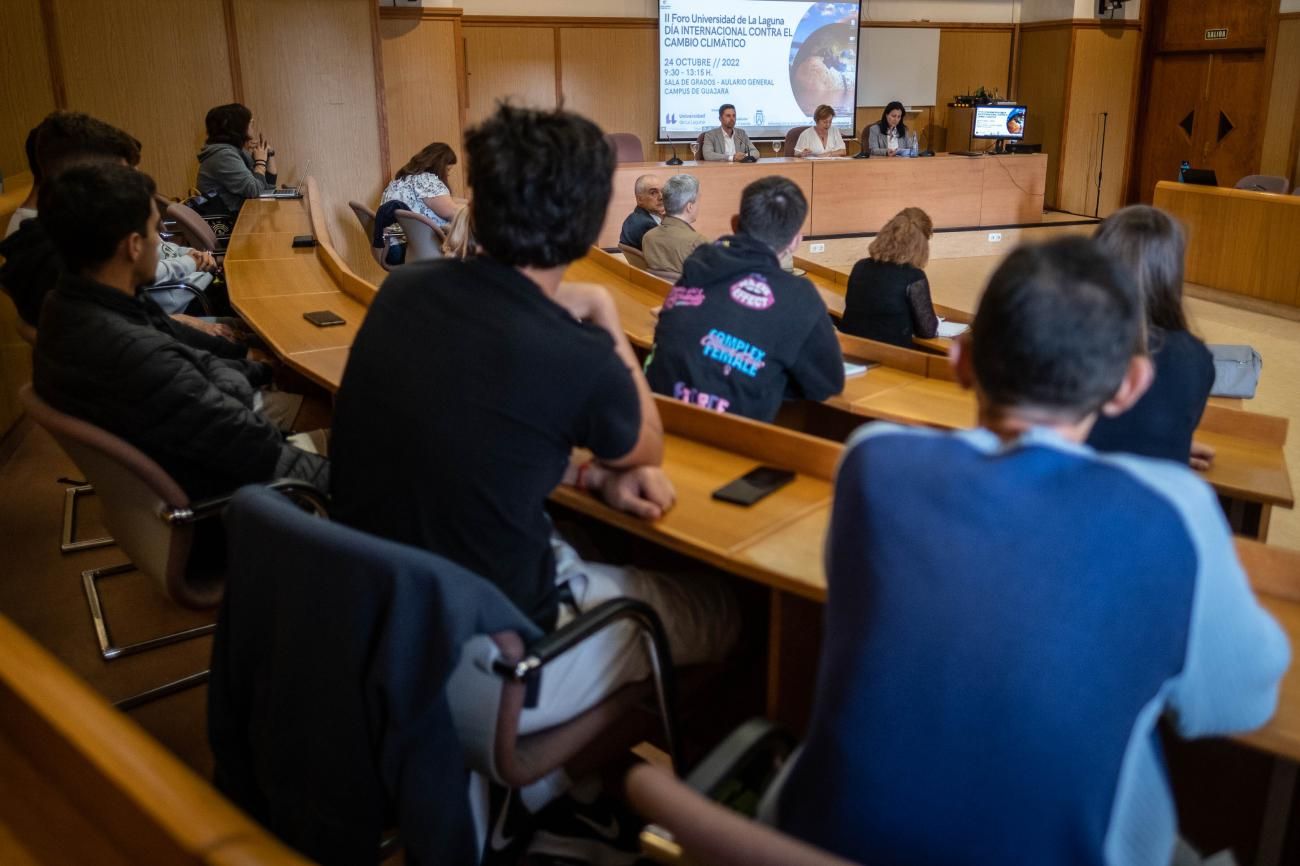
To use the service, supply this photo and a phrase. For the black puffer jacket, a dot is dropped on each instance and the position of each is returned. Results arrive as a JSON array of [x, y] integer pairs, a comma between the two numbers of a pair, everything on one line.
[[32, 268], [107, 358]]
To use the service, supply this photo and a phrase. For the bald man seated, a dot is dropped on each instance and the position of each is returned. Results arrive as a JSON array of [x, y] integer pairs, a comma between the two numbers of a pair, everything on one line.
[[649, 210]]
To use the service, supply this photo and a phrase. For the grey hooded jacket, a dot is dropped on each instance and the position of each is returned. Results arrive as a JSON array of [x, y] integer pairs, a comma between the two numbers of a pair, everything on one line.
[[229, 170]]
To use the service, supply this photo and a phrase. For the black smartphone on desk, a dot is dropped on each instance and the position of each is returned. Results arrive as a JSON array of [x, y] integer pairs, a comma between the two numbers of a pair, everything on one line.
[[754, 485], [323, 318]]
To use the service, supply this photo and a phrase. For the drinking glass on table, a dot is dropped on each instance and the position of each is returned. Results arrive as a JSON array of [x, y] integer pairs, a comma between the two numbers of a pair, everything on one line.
[[777, 145], [695, 149]]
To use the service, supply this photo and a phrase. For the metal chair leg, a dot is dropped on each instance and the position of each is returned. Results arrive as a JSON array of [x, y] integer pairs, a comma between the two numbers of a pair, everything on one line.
[[68, 545], [106, 647], [180, 685]]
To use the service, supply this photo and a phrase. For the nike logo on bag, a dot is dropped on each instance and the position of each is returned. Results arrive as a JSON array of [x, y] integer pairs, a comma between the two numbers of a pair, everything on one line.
[[608, 831], [500, 841]]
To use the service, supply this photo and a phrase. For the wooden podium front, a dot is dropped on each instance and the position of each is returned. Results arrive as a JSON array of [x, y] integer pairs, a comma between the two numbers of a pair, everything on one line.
[[857, 196]]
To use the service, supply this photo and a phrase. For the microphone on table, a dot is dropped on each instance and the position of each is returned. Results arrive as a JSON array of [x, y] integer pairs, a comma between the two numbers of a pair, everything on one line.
[[675, 160], [925, 132], [864, 152]]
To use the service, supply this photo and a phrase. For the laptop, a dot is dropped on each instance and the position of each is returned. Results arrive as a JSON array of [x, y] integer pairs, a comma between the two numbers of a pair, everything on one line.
[[1200, 176], [287, 191]]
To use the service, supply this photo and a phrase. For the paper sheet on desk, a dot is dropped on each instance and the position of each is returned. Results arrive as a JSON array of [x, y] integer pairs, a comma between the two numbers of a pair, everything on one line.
[[951, 329], [852, 369]]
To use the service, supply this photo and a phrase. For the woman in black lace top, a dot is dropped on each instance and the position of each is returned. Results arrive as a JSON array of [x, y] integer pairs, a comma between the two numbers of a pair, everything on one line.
[[888, 296]]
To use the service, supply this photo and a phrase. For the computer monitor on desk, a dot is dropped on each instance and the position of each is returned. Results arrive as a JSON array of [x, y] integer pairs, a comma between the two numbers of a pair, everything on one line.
[[1001, 123]]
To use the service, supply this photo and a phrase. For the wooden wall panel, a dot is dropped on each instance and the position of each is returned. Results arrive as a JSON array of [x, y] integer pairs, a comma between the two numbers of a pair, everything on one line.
[[312, 88], [26, 91], [505, 62], [1105, 63], [151, 67], [421, 88], [967, 60], [608, 74], [1280, 129], [1042, 75]]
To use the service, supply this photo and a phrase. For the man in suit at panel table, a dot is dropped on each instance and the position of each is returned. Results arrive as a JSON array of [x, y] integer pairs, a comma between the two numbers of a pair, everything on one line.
[[669, 245], [726, 143], [649, 211]]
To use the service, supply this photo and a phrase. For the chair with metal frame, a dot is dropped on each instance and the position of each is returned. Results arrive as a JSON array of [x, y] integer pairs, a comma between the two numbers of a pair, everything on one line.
[[366, 217], [207, 233], [162, 531], [634, 257], [424, 237], [1265, 183], [68, 541], [266, 586]]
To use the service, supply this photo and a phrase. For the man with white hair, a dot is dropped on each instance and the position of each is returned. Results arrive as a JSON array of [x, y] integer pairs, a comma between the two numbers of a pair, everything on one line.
[[649, 211], [669, 245]]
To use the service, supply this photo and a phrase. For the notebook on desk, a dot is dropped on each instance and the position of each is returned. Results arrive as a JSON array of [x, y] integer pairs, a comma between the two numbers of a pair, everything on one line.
[[951, 329]]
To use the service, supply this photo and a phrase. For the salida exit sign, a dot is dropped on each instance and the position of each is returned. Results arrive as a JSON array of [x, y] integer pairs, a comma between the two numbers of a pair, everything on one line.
[[1218, 33]]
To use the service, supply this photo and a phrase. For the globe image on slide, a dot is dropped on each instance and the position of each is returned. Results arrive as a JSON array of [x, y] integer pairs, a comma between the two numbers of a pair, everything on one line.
[[823, 67]]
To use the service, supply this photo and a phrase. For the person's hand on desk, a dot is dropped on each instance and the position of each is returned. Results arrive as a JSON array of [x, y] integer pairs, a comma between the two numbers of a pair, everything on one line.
[[644, 491], [203, 260], [1202, 456]]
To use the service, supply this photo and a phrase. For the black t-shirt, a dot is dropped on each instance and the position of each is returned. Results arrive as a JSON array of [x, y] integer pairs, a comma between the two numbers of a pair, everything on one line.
[[1161, 423], [738, 334], [465, 392]]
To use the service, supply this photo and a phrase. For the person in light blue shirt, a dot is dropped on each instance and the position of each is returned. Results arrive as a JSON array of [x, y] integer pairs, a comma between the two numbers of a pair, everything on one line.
[[1010, 614]]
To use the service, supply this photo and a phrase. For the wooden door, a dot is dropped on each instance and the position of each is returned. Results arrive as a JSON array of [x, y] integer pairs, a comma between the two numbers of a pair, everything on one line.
[[1207, 109], [1203, 96]]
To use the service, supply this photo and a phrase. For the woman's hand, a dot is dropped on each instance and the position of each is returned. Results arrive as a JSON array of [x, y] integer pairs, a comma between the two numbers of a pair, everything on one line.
[[261, 149]]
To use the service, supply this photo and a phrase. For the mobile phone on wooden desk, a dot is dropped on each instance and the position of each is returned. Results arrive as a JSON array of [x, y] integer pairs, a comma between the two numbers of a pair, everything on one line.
[[324, 318], [754, 485]]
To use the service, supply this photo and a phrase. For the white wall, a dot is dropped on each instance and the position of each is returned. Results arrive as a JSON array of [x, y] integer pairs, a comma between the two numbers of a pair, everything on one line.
[[1289, 6]]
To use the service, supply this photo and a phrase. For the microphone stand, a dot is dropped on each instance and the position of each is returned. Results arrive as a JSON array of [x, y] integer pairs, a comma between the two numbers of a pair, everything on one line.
[[675, 160], [1101, 162]]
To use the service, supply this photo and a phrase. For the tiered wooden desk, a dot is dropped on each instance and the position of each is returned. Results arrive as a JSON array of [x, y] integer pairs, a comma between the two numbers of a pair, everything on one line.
[[82, 783], [778, 542], [851, 196], [1237, 240], [272, 285], [1249, 471], [914, 387]]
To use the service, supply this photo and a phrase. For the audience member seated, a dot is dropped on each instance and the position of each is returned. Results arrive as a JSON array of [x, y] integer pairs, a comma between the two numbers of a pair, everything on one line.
[[462, 465], [726, 143], [647, 214], [27, 210], [1011, 615], [890, 135], [739, 334], [32, 264], [821, 139], [236, 162], [1150, 245], [102, 356], [63, 139], [668, 245], [888, 296], [460, 243], [422, 185]]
